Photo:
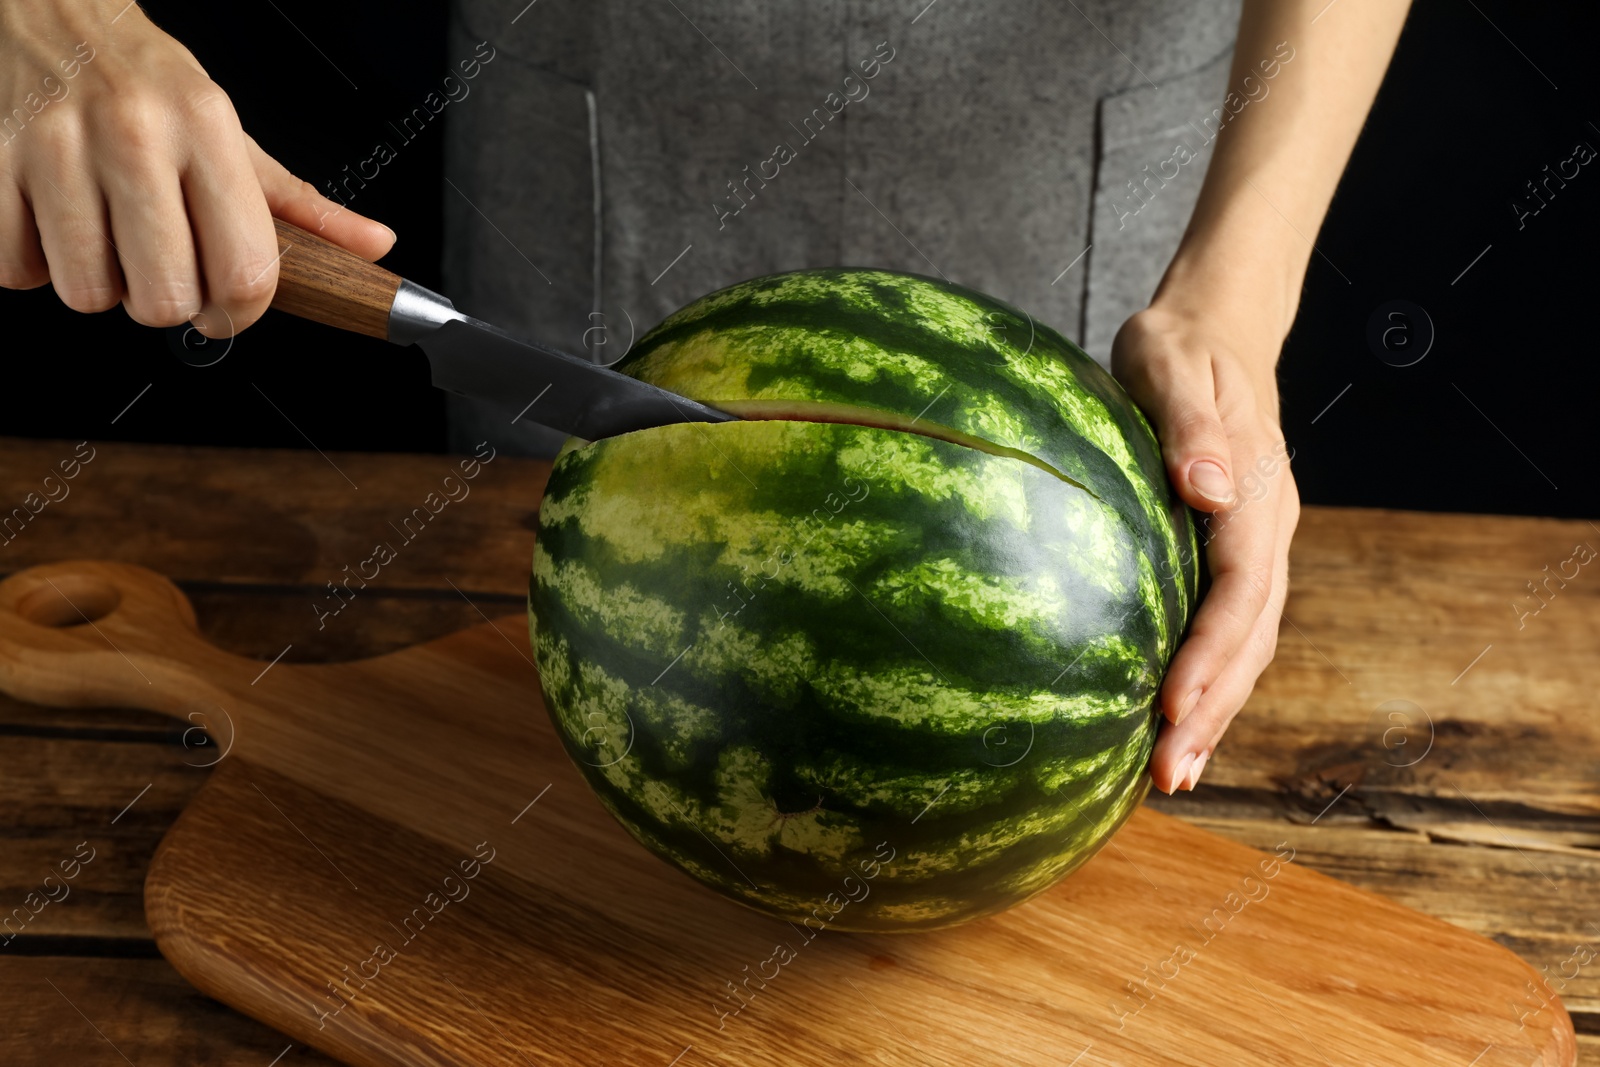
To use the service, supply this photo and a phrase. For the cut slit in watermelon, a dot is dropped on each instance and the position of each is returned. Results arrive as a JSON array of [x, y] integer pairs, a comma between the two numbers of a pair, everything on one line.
[[853, 415]]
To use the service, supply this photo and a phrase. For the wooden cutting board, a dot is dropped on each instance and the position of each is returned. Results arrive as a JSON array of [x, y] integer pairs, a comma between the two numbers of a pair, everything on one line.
[[394, 861]]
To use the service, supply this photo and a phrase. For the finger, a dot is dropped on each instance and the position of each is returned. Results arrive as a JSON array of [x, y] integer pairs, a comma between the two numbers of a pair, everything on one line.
[[22, 263], [1193, 441], [132, 138], [1182, 750], [150, 233], [298, 202], [74, 232], [1241, 555], [237, 248]]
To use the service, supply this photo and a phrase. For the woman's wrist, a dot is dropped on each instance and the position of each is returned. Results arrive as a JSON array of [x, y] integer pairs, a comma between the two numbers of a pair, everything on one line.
[[1219, 306], [1245, 270]]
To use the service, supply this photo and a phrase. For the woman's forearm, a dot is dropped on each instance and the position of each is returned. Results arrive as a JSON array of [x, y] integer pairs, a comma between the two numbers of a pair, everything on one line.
[[1290, 125]]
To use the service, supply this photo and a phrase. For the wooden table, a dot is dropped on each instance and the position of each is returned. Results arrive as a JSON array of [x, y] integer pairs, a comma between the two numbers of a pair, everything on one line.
[[1417, 735]]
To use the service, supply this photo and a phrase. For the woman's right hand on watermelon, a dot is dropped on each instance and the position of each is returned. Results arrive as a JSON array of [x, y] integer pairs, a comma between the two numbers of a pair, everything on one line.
[[125, 175]]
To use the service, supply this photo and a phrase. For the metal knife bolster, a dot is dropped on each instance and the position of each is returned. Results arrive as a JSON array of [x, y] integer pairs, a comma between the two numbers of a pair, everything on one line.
[[527, 380], [417, 312]]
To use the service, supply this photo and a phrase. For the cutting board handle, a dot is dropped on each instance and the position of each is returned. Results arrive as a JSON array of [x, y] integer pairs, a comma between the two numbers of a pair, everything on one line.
[[97, 634], [320, 281]]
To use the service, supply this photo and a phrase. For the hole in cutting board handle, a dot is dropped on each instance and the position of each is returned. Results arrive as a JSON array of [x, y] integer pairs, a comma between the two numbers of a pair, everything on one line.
[[70, 600]]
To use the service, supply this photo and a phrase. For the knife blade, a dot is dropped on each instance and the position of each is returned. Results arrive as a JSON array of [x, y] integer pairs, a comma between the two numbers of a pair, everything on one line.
[[567, 392], [325, 283]]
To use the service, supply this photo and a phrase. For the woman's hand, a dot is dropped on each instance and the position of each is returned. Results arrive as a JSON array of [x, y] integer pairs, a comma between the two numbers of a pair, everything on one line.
[[1201, 359], [1207, 383], [125, 175]]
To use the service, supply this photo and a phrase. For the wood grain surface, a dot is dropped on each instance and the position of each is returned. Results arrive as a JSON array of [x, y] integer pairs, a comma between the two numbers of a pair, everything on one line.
[[307, 884], [320, 281], [253, 535]]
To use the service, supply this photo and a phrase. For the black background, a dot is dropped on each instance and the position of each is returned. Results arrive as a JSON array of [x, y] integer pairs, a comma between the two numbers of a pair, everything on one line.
[[1497, 417]]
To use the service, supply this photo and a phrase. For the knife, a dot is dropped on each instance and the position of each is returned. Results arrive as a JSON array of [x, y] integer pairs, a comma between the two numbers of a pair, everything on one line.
[[320, 281]]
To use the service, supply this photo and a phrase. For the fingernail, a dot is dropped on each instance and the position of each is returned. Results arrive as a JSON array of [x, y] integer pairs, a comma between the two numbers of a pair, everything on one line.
[[1181, 775], [1195, 769], [1187, 706], [393, 237], [1211, 481]]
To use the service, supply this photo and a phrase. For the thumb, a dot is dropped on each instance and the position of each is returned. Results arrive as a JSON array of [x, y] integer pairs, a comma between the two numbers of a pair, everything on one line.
[[298, 202], [1195, 447]]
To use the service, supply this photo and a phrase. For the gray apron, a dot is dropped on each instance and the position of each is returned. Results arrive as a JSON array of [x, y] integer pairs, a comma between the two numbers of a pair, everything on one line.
[[616, 160]]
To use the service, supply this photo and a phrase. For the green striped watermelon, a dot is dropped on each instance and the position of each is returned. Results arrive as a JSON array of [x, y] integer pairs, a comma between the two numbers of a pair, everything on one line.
[[885, 655]]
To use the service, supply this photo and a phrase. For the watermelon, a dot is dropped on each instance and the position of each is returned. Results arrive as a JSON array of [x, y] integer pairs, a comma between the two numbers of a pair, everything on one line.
[[884, 655]]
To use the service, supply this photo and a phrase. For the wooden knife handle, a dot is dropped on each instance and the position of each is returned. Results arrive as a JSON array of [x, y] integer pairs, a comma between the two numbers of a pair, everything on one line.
[[320, 281]]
